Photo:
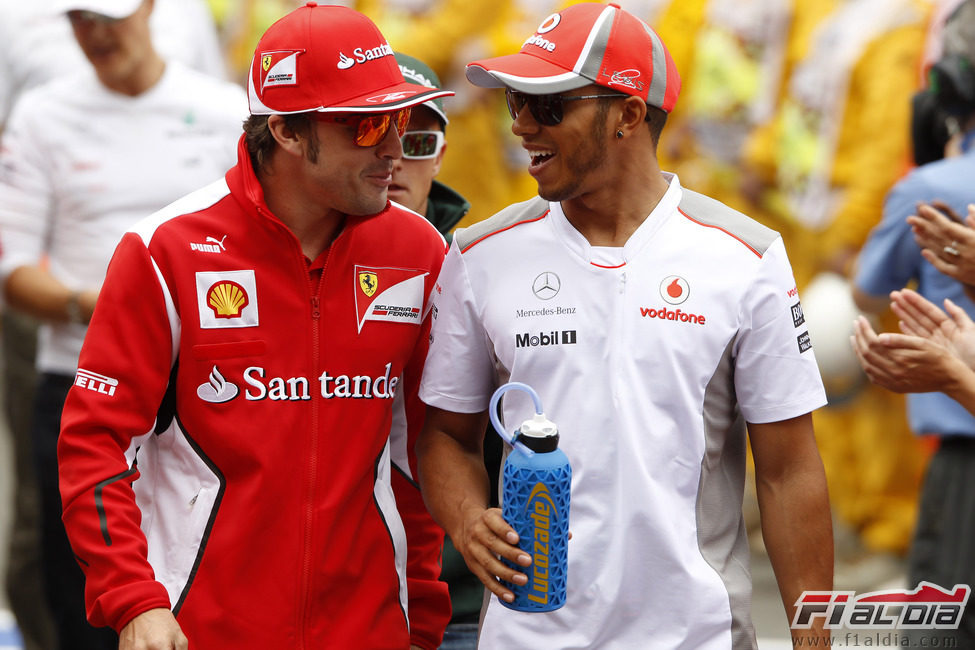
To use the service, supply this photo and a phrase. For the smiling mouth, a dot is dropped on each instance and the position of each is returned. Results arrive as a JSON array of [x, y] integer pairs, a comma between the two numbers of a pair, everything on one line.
[[540, 157]]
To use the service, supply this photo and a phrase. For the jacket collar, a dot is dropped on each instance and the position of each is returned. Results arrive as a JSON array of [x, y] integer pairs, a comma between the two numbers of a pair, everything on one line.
[[243, 183], [445, 207]]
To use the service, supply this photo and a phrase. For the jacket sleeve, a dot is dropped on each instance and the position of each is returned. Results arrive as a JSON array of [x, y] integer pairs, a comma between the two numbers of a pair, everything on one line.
[[429, 600], [123, 373]]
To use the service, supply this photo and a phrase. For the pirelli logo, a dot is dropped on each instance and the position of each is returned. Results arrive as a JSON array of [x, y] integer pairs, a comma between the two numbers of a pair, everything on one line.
[[95, 382], [555, 337]]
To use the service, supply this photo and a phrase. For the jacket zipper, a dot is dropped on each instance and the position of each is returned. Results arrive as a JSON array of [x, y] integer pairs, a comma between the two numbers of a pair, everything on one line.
[[307, 555], [304, 600], [304, 603]]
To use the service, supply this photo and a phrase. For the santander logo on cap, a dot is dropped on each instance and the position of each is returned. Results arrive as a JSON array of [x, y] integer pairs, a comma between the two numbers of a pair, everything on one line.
[[361, 55], [327, 58]]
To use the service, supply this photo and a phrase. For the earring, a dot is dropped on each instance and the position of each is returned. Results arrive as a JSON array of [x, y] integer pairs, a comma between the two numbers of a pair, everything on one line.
[[619, 134]]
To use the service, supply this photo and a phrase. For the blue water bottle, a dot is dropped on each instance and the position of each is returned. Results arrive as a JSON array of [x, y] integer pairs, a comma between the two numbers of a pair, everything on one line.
[[535, 501]]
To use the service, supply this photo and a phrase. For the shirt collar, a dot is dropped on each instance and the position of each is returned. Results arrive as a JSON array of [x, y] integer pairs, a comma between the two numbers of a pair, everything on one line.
[[579, 245]]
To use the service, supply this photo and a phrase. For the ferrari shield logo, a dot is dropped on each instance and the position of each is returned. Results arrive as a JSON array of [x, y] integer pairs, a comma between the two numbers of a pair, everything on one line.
[[279, 68], [369, 282], [400, 299]]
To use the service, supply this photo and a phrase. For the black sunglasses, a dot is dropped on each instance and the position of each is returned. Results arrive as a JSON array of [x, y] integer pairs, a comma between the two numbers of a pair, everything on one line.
[[547, 110]]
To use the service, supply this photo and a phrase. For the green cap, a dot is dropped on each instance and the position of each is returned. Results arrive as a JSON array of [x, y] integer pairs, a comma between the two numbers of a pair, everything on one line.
[[418, 72]]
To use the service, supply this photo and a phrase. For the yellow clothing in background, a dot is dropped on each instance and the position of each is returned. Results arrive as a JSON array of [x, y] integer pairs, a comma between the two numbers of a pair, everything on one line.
[[739, 132], [746, 130], [483, 160], [241, 23], [731, 56], [839, 141], [841, 136]]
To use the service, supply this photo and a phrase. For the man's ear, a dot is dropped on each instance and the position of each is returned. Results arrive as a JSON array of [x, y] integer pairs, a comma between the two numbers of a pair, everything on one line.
[[632, 114], [286, 137]]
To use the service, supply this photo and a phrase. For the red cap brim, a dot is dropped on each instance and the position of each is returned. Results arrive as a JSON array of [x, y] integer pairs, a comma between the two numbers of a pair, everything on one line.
[[389, 99], [524, 73]]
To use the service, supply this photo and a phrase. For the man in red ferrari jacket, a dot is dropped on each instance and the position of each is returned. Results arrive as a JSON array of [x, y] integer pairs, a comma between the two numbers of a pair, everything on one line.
[[235, 455]]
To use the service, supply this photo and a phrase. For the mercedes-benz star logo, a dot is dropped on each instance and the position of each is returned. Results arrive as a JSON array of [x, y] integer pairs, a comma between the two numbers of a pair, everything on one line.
[[546, 286]]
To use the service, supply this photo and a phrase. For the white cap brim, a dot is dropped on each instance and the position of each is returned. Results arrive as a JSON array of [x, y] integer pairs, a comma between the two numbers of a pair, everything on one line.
[[111, 8]]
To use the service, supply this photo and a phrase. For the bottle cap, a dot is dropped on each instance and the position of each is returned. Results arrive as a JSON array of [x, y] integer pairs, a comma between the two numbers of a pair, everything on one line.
[[539, 426], [539, 434]]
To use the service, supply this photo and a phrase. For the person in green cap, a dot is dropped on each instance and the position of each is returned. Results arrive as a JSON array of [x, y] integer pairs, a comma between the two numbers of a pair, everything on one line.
[[415, 188], [424, 145]]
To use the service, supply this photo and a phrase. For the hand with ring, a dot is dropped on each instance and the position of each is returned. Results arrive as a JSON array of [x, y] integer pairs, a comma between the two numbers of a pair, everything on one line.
[[947, 241], [935, 350]]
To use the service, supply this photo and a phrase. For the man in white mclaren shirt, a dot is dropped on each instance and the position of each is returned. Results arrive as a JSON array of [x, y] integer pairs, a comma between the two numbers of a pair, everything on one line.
[[84, 157], [656, 324]]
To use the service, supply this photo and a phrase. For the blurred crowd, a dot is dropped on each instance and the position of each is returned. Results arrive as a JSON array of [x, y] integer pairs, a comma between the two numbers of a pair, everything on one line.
[[797, 113]]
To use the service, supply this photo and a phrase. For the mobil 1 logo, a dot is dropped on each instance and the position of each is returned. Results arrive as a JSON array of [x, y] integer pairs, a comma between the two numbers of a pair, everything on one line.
[[553, 337]]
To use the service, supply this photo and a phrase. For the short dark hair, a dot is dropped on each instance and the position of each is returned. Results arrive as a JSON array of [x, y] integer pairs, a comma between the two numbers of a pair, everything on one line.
[[260, 143], [655, 119]]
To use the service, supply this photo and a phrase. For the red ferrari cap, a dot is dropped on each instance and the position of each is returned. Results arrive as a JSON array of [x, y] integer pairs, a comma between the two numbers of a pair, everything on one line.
[[328, 58]]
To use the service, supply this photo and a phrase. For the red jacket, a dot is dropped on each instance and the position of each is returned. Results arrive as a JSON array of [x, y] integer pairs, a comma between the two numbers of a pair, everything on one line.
[[226, 449]]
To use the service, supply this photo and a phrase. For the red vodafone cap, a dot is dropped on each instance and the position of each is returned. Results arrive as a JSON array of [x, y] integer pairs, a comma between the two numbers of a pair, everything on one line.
[[584, 44], [331, 59]]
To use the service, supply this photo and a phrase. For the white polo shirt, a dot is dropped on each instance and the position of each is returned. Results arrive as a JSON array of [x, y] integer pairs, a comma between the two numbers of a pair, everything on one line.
[[650, 358], [80, 164]]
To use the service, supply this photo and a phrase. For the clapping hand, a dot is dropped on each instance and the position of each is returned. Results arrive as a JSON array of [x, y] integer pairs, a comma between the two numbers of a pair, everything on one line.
[[947, 241], [932, 351]]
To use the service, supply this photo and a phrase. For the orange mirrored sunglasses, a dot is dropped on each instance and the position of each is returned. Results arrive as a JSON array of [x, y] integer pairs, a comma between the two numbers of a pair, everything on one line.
[[370, 128]]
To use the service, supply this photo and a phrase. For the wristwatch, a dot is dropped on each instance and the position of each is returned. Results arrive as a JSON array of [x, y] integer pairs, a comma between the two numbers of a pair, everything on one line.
[[73, 308]]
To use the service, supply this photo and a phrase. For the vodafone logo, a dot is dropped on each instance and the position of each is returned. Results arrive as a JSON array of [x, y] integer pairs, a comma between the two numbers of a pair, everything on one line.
[[673, 314], [674, 290], [549, 24]]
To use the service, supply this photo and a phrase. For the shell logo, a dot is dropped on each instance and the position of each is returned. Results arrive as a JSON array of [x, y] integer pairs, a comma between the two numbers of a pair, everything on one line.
[[227, 299]]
